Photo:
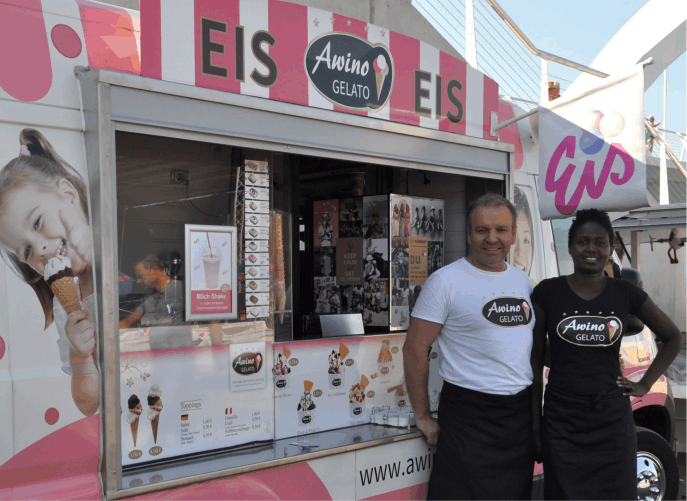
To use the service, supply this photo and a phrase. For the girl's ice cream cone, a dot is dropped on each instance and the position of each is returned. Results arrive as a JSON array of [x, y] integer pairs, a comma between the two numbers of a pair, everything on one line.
[[60, 277]]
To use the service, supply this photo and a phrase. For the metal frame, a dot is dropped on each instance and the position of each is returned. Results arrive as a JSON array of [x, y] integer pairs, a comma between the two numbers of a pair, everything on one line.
[[107, 94]]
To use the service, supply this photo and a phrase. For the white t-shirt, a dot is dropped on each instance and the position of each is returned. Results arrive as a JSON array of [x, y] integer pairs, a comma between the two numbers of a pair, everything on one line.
[[487, 318]]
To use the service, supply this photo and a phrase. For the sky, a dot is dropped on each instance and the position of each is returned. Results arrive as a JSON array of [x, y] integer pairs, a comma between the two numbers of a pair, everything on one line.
[[577, 33]]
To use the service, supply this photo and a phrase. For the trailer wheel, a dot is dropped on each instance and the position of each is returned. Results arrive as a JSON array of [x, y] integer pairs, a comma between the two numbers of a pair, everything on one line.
[[658, 475]]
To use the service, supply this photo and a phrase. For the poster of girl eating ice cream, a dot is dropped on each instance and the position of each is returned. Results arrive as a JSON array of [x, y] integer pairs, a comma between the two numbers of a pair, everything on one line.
[[46, 240]]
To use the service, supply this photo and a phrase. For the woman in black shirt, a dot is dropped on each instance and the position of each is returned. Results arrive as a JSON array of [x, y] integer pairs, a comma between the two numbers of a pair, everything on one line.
[[587, 436]]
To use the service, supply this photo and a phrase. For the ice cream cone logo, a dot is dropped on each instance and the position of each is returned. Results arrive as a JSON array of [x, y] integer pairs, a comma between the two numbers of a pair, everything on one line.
[[286, 352], [381, 71], [612, 328], [307, 386], [364, 381], [526, 309]]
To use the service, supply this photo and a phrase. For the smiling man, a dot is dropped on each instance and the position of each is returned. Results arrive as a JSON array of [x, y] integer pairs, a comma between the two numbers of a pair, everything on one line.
[[479, 310]]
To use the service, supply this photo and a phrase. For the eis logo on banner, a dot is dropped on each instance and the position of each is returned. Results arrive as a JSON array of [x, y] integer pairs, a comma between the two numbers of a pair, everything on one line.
[[349, 71]]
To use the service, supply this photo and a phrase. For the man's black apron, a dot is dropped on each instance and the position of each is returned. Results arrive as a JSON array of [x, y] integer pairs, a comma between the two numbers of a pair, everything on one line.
[[485, 448]]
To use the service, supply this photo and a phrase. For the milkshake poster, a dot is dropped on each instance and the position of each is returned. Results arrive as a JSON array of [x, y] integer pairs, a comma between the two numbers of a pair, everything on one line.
[[211, 265]]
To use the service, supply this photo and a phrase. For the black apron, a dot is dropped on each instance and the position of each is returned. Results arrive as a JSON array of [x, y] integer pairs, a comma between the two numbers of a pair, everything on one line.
[[485, 448], [589, 446]]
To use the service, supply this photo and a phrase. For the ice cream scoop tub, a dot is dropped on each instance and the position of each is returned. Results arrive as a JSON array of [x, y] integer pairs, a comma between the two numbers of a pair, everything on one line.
[[356, 410], [384, 368], [282, 381], [336, 381], [306, 418]]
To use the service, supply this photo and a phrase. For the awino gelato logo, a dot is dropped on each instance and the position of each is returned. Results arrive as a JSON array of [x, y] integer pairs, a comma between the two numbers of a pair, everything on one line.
[[587, 330], [247, 363], [508, 311], [349, 71]]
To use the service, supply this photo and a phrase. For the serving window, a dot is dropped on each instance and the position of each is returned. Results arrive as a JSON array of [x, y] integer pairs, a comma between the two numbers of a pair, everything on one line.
[[228, 258]]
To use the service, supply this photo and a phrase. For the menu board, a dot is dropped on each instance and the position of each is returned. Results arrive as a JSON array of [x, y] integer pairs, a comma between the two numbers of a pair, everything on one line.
[[331, 384], [223, 397], [212, 272], [256, 238]]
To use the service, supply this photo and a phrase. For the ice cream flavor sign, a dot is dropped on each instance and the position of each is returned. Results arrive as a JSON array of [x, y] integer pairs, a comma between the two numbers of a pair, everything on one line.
[[211, 272]]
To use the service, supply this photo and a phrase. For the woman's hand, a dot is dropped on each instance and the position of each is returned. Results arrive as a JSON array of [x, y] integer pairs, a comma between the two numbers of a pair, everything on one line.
[[632, 389], [79, 330]]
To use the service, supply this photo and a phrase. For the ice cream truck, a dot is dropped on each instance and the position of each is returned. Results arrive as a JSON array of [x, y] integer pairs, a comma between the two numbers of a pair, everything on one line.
[[216, 219]]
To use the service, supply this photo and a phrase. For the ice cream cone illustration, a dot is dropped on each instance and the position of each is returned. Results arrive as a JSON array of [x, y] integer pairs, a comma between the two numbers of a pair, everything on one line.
[[154, 408], [364, 381], [135, 410], [307, 386], [526, 308], [612, 328], [60, 277], [381, 71], [286, 352]]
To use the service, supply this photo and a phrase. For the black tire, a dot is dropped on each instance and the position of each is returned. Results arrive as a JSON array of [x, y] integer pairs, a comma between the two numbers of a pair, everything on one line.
[[655, 455]]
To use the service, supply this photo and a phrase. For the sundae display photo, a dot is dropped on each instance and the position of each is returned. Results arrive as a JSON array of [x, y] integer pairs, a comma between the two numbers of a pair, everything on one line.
[[211, 266]]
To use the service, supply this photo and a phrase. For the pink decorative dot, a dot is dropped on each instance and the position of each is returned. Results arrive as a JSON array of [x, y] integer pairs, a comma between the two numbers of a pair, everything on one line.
[[51, 416], [2, 347], [66, 41]]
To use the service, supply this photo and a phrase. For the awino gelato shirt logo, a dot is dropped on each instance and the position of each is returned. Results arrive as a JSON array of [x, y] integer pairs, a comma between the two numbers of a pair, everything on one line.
[[349, 71], [585, 330], [508, 311]]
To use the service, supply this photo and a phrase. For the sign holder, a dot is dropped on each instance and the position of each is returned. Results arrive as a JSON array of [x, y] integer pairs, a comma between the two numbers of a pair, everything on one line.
[[211, 272]]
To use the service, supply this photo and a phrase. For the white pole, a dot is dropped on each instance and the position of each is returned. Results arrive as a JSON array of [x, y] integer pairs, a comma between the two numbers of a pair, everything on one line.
[[470, 37], [663, 194], [544, 98]]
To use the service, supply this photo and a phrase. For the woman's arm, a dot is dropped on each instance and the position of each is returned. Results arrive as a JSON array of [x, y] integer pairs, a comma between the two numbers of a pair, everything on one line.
[[537, 361], [673, 341]]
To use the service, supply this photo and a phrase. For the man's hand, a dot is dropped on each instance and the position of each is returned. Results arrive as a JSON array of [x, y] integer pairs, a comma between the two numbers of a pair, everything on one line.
[[79, 330], [429, 428]]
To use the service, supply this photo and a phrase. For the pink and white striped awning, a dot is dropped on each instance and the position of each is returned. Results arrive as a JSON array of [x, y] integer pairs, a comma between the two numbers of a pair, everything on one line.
[[176, 43]]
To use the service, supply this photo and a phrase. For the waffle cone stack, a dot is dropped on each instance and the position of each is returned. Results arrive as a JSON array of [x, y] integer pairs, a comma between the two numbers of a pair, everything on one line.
[[155, 423], [67, 293], [134, 431]]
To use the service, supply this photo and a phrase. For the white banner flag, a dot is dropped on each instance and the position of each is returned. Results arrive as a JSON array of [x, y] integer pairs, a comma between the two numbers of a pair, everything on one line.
[[591, 149]]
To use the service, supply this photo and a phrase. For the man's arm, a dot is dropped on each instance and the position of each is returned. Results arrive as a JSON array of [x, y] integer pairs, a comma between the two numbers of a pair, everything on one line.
[[421, 335], [131, 320]]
